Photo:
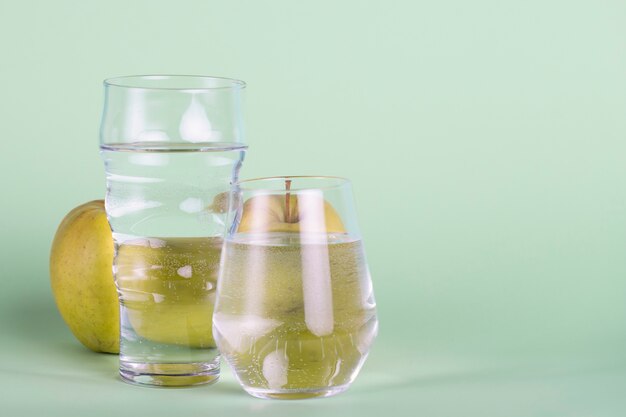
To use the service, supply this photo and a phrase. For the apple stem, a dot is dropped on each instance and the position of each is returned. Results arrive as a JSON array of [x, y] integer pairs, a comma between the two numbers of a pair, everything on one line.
[[287, 201]]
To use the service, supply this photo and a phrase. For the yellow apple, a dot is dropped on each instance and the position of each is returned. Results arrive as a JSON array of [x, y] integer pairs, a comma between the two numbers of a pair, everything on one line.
[[81, 277], [307, 212]]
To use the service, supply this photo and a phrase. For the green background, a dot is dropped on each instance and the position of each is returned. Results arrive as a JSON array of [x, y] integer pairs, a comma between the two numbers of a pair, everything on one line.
[[486, 145]]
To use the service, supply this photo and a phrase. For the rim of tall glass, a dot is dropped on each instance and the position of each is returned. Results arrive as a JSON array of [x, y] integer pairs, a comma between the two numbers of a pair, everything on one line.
[[186, 82]]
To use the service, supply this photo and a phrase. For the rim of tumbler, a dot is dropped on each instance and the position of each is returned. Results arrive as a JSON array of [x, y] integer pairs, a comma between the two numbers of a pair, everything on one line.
[[338, 182], [127, 81]]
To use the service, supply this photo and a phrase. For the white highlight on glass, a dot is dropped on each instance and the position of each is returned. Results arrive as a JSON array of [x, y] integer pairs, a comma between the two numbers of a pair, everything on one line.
[[132, 179], [129, 207], [185, 271], [241, 332], [255, 288], [316, 280], [275, 366], [191, 205], [337, 369], [134, 114], [365, 337], [194, 124]]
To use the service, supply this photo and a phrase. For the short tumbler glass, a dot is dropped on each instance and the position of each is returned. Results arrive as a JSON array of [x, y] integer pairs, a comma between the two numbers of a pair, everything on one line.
[[172, 148], [295, 314]]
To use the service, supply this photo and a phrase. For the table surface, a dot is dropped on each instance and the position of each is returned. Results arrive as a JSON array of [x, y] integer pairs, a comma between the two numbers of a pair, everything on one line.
[[45, 371]]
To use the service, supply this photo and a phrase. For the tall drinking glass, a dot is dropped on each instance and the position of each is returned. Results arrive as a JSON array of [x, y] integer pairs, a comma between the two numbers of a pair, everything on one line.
[[172, 146], [295, 313]]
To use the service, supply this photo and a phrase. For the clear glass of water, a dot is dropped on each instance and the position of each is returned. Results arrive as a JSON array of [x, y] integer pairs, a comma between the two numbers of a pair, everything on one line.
[[295, 314], [172, 148]]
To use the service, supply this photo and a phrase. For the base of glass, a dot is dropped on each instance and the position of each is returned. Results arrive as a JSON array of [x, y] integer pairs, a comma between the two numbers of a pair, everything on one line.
[[170, 374], [295, 394]]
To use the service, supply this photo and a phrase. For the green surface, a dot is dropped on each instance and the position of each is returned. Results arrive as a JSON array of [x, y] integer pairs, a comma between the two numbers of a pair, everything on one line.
[[486, 144]]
